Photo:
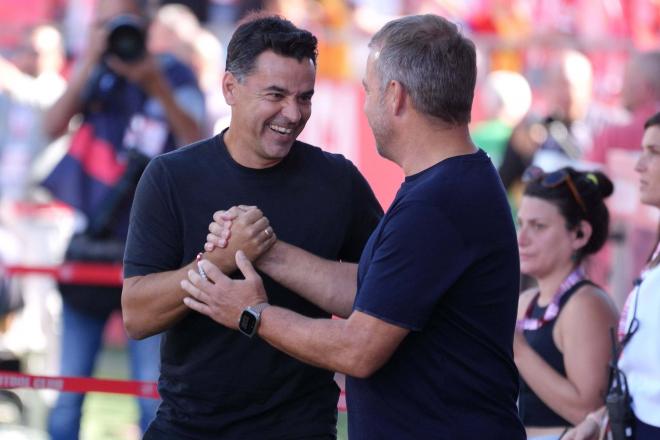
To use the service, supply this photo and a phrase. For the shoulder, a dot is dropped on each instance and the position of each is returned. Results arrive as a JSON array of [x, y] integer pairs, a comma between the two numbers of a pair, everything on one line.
[[314, 152], [588, 296], [183, 159], [589, 304], [323, 163], [190, 151]]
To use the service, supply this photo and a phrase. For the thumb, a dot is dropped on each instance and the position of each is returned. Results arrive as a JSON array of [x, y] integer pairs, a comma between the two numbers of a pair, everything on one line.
[[245, 266], [220, 216]]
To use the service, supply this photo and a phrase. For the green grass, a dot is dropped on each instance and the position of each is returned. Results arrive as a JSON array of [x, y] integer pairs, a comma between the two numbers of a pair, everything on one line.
[[110, 416], [342, 427]]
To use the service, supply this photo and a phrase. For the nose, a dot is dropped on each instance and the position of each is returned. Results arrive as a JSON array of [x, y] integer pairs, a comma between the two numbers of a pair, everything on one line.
[[291, 111], [640, 165], [522, 236]]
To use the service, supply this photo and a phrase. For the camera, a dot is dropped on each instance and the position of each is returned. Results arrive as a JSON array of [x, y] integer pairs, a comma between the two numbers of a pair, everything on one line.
[[127, 37]]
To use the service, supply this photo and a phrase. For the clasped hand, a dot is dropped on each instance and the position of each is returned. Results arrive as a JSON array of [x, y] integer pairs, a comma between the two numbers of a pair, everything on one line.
[[239, 234]]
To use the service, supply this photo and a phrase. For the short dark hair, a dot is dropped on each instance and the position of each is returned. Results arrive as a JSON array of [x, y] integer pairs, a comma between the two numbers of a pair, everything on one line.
[[259, 32], [433, 61], [593, 187], [653, 120]]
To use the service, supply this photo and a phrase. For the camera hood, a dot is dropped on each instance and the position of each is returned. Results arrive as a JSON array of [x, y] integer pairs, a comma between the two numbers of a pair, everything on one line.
[[127, 37]]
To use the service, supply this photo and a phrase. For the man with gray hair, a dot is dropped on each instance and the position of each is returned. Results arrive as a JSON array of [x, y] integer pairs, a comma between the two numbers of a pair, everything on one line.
[[429, 312]]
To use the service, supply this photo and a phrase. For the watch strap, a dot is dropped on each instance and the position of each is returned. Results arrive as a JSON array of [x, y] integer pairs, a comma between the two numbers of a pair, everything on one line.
[[259, 308]]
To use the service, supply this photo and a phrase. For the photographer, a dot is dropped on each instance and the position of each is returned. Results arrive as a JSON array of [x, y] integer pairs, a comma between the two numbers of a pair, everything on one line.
[[134, 105]]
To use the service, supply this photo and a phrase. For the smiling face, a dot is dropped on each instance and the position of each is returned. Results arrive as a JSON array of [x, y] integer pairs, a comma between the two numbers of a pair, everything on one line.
[[544, 243], [270, 108], [648, 167]]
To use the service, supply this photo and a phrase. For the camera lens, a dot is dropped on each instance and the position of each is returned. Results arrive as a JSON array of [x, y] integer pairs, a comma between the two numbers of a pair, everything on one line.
[[126, 38]]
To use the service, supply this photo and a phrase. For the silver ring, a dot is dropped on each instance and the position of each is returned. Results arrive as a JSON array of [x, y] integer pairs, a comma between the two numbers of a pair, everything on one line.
[[200, 271], [266, 232]]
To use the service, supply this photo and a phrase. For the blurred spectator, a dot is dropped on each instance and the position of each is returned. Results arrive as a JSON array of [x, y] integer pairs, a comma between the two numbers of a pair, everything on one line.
[[29, 83], [172, 30], [565, 133], [562, 344], [370, 15], [208, 63], [224, 14], [640, 96], [134, 105], [200, 8], [505, 98], [176, 30]]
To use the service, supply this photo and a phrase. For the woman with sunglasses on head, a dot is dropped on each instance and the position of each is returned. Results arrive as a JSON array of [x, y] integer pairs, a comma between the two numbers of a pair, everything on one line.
[[639, 326], [562, 343]]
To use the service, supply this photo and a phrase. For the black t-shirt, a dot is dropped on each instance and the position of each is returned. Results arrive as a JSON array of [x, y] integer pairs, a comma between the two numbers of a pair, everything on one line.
[[443, 263], [534, 411], [215, 382]]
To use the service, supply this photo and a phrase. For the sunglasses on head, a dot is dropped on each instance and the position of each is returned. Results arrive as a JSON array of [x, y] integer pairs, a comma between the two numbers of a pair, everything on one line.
[[553, 180]]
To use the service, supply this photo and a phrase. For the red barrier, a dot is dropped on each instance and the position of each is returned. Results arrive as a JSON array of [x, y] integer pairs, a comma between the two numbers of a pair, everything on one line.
[[9, 380], [96, 274], [149, 390]]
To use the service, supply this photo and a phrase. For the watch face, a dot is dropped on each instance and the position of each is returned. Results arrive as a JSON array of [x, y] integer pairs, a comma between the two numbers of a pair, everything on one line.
[[248, 322]]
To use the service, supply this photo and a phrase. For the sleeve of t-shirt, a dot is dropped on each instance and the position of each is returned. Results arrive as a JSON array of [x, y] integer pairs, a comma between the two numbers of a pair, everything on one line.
[[365, 214], [154, 242], [418, 256]]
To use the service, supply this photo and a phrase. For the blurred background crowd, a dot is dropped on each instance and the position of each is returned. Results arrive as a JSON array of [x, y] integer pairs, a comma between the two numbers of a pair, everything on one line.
[[561, 82]]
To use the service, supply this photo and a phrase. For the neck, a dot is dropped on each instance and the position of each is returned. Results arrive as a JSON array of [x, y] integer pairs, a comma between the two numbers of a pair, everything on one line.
[[548, 285], [242, 154], [425, 145]]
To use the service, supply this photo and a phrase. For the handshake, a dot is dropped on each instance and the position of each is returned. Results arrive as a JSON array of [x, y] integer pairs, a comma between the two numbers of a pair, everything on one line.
[[250, 229], [236, 238]]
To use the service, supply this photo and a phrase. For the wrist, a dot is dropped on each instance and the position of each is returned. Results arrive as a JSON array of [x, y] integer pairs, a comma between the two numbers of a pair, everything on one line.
[[270, 257], [596, 418], [250, 318]]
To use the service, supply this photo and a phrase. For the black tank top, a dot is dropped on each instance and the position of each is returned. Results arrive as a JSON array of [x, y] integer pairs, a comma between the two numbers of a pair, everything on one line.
[[533, 411]]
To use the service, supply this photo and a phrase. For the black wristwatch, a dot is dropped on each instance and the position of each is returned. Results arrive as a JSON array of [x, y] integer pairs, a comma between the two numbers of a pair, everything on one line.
[[250, 318]]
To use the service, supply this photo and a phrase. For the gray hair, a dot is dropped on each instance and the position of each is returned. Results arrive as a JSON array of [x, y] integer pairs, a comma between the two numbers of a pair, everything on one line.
[[433, 61]]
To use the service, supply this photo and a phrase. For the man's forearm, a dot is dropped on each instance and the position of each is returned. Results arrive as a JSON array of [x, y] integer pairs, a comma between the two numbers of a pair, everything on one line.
[[331, 285], [57, 117], [318, 342], [153, 303], [357, 346]]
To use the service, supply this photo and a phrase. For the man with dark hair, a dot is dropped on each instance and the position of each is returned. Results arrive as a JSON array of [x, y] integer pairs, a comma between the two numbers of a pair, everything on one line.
[[427, 343], [214, 382]]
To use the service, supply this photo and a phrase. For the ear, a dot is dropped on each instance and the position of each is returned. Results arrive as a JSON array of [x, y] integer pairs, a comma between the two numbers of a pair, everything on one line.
[[397, 96], [582, 234], [229, 87]]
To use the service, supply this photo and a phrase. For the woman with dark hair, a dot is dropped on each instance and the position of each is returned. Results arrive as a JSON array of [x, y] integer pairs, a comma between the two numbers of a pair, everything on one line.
[[638, 366], [562, 343]]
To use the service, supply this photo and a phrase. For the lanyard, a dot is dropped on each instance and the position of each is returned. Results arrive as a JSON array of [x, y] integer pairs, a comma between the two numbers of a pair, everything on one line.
[[624, 334], [551, 312]]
